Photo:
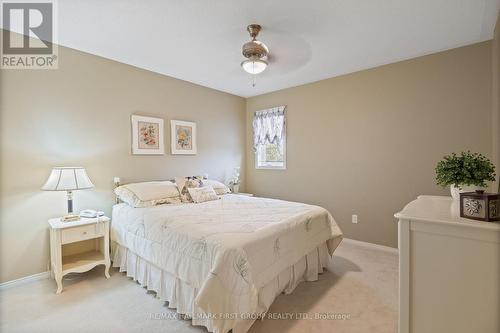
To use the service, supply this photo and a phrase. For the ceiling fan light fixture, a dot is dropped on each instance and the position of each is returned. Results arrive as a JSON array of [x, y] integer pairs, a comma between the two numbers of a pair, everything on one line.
[[254, 66], [255, 51]]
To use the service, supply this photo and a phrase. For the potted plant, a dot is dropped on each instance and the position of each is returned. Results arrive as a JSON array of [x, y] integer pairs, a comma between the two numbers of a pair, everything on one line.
[[466, 172]]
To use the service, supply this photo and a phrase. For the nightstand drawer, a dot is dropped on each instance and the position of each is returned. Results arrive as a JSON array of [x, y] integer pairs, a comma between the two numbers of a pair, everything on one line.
[[84, 232]]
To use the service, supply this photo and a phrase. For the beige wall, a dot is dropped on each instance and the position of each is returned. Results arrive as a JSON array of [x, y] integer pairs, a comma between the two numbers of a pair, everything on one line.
[[364, 143], [496, 98], [367, 143], [80, 115]]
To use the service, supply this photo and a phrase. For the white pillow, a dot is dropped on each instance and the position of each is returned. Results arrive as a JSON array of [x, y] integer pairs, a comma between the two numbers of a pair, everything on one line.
[[218, 187], [148, 193], [202, 194]]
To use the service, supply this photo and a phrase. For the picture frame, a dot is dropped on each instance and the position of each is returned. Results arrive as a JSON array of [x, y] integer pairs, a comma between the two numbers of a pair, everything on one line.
[[183, 137], [147, 135]]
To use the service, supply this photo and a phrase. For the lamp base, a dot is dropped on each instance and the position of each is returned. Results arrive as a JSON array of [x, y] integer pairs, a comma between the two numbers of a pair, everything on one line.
[[70, 218]]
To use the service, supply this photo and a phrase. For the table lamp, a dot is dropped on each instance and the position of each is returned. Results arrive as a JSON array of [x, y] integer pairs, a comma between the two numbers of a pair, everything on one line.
[[68, 179]]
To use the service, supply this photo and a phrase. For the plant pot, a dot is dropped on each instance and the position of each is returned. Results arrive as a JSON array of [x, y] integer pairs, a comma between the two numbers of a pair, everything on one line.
[[236, 188], [455, 208], [455, 191]]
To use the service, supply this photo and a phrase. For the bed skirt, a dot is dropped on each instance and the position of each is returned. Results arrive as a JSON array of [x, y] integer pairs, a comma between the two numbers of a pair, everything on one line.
[[180, 295]]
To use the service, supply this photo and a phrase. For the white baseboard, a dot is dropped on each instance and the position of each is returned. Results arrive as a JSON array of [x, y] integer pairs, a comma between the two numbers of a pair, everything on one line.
[[371, 245], [24, 280]]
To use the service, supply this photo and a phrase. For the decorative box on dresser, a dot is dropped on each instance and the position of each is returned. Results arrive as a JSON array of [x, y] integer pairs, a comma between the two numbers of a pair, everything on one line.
[[449, 269], [63, 234]]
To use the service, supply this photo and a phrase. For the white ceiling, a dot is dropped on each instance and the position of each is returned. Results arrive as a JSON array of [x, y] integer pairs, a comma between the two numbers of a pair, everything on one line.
[[200, 40]]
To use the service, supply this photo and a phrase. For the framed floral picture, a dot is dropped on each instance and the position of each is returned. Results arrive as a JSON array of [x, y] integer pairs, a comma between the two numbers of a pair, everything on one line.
[[183, 135], [147, 136]]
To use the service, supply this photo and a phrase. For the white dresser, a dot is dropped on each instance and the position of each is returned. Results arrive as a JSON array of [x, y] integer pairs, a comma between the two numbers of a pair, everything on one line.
[[449, 278]]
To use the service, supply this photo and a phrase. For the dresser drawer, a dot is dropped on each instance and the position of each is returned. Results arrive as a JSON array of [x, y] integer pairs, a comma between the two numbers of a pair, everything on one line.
[[76, 234]]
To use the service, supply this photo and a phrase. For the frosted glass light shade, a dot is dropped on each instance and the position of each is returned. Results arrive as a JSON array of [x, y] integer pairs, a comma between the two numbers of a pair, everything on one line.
[[67, 179], [254, 66]]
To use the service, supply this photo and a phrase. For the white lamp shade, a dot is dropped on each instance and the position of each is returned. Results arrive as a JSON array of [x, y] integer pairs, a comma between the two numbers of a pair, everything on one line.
[[254, 66], [67, 179]]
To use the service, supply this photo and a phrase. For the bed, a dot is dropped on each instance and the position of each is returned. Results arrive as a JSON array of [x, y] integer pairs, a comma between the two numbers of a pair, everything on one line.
[[222, 263]]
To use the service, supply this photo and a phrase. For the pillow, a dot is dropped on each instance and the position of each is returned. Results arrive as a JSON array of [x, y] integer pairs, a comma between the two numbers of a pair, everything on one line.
[[202, 194], [183, 184], [148, 194], [218, 187]]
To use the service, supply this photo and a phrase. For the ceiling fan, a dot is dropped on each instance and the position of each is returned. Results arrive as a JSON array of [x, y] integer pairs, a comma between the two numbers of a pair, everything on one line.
[[255, 51]]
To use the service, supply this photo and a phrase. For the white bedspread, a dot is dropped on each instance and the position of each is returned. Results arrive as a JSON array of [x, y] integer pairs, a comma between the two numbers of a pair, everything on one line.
[[229, 248]]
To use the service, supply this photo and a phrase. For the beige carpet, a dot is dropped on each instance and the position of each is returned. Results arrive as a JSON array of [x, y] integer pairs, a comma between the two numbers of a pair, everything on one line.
[[359, 295]]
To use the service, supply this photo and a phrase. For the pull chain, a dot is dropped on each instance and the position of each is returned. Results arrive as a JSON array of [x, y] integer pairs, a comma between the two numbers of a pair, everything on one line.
[[253, 75]]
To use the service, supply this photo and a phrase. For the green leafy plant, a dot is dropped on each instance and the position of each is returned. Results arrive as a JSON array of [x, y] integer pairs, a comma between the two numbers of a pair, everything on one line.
[[465, 169]]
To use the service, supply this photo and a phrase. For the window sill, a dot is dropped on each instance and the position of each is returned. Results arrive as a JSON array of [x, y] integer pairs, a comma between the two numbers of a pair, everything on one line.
[[270, 168]]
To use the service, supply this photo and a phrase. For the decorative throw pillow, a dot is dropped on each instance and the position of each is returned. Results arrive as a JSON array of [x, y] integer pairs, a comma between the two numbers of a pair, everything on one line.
[[218, 187], [202, 194], [148, 194], [183, 184]]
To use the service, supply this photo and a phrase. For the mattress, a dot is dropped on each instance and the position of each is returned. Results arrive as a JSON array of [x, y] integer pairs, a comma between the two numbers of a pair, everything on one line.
[[226, 250]]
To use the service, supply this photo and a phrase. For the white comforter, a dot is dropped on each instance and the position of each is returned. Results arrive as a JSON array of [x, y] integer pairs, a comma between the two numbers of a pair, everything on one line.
[[229, 248]]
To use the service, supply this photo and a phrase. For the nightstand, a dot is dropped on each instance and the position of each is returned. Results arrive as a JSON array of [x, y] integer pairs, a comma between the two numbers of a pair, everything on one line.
[[245, 194], [62, 234]]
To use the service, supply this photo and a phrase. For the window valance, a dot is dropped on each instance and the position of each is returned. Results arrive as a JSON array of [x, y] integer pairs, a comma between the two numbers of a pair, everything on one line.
[[269, 127]]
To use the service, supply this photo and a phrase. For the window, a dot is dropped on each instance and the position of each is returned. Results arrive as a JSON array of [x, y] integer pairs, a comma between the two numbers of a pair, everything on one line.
[[269, 134], [269, 156]]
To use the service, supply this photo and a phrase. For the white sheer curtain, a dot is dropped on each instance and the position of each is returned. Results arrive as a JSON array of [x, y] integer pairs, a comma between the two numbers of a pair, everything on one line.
[[269, 127]]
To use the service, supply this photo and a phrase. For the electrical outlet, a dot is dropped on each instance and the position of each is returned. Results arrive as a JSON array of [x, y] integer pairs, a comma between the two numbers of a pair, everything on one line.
[[355, 219]]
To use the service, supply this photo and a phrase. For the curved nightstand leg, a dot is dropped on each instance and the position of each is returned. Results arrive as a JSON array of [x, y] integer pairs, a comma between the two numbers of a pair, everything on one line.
[[58, 279], [106, 271]]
